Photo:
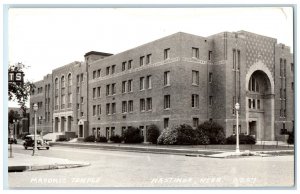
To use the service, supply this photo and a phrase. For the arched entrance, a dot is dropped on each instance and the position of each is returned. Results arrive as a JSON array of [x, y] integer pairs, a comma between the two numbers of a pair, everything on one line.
[[260, 102]]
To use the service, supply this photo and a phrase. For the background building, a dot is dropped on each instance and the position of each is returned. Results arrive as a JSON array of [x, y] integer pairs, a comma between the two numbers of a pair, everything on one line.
[[181, 78]]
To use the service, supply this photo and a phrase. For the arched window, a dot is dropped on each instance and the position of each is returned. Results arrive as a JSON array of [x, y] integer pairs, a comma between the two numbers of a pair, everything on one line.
[[56, 86], [253, 85], [69, 82], [62, 81]]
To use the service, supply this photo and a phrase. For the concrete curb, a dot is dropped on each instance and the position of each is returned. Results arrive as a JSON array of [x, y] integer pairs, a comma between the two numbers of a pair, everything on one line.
[[45, 167], [138, 149]]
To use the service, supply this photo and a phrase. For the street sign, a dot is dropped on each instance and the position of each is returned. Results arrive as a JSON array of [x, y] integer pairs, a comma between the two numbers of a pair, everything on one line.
[[15, 76]]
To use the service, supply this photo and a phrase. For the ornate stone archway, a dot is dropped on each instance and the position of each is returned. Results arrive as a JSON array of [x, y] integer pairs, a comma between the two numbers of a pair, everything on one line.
[[260, 102]]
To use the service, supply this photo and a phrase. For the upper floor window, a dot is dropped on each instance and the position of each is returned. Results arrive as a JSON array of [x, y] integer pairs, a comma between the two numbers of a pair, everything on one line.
[[94, 74], [113, 69], [253, 85], [149, 82], [129, 64], [166, 78], [98, 72], [210, 77], [142, 61], [113, 88], [124, 66], [195, 53], [63, 81], [142, 83], [107, 70], [69, 83], [167, 53], [195, 100], [195, 77], [167, 101], [124, 87], [148, 59], [209, 55], [130, 85]]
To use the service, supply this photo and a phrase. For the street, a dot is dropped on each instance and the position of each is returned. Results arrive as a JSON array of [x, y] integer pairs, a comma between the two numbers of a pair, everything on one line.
[[132, 169]]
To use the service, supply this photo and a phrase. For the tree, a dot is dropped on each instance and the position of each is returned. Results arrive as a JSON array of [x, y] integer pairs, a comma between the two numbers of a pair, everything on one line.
[[19, 91], [12, 115]]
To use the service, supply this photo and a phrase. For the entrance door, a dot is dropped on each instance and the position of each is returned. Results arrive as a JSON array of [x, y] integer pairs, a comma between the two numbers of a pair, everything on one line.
[[252, 128], [80, 131]]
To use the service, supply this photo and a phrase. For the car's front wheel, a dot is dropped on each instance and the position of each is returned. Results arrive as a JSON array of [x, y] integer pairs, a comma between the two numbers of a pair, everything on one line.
[[47, 148]]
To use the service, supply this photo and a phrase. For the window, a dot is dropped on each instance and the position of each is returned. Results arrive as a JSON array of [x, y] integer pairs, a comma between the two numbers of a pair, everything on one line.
[[149, 103], [63, 101], [124, 66], [249, 103], [98, 92], [238, 59], [94, 92], [81, 77], [124, 87], [130, 106], [233, 58], [81, 100], [292, 67], [142, 83], [112, 131], [167, 78], [142, 61], [122, 130], [209, 55], [148, 59], [195, 77], [69, 100], [113, 108], [149, 82], [210, 77], [107, 108], [281, 67], [129, 64], [130, 85], [195, 101], [113, 89], [113, 69], [195, 122], [98, 72], [124, 106], [62, 82], [195, 53], [78, 106], [94, 74], [166, 123], [77, 90], [142, 105], [99, 109], [258, 104], [81, 114], [210, 100], [167, 101], [253, 104], [284, 67], [107, 70], [94, 110], [107, 90], [167, 53], [69, 83]]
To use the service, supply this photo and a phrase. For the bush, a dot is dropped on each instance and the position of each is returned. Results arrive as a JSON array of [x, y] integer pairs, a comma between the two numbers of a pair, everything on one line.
[[179, 135], [133, 135], [213, 131], [291, 138], [152, 134], [101, 139], [116, 138], [90, 138], [243, 139], [202, 138]]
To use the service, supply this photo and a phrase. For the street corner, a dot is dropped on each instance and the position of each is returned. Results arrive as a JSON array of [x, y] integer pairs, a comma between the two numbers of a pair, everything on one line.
[[25, 162]]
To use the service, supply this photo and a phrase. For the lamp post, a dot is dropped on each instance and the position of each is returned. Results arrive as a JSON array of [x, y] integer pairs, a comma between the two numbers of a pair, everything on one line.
[[237, 107], [35, 108]]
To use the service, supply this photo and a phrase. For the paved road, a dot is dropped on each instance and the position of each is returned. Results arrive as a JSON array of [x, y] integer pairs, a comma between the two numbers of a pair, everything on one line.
[[130, 169]]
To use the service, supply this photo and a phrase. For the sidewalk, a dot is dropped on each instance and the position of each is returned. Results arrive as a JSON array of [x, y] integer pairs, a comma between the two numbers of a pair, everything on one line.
[[177, 149], [25, 162]]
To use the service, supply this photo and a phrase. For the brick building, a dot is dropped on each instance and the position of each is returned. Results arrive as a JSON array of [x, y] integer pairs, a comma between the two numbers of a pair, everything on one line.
[[181, 78]]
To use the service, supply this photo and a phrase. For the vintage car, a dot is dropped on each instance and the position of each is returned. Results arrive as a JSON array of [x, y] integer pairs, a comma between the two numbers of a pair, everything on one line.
[[41, 143]]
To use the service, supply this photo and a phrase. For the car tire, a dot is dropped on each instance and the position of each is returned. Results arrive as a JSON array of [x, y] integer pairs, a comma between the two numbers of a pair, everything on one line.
[[47, 148], [38, 148], [25, 148]]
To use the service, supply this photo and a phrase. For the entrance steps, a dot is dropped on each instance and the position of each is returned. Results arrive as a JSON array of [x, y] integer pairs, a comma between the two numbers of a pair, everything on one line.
[[52, 136], [280, 143]]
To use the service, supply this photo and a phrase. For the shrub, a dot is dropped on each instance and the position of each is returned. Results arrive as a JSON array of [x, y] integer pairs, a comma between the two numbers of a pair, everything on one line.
[[202, 138], [152, 134], [214, 132], [133, 135], [291, 138], [116, 138], [243, 139], [90, 138], [101, 139], [179, 135]]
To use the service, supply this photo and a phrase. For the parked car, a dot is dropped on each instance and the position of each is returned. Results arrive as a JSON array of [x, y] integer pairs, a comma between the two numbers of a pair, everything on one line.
[[12, 140], [41, 143]]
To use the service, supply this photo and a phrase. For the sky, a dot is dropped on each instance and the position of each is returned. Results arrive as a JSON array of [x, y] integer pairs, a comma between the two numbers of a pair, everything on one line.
[[47, 38]]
